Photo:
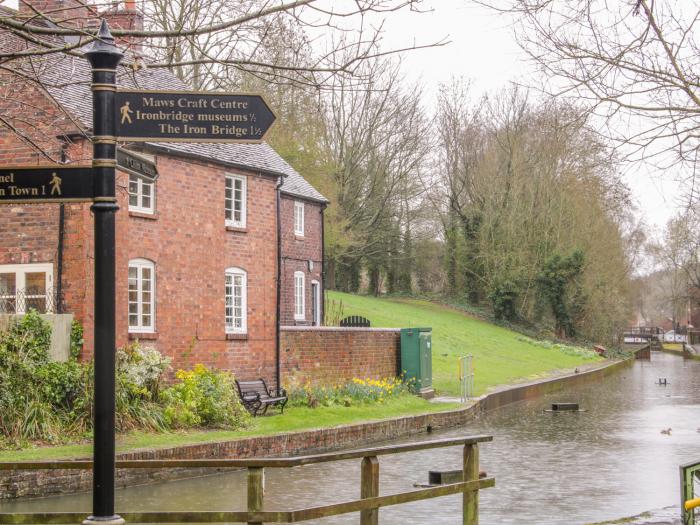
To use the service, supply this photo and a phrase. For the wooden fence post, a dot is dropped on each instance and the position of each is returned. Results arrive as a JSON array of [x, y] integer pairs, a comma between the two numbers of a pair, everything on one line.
[[470, 500], [369, 488], [256, 490]]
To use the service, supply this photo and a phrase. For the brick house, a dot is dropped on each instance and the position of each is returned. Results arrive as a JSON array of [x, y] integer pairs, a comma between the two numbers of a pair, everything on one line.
[[217, 244]]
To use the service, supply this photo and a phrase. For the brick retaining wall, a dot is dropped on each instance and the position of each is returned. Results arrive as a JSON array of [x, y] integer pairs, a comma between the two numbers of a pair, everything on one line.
[[335, 355], [38, 483]]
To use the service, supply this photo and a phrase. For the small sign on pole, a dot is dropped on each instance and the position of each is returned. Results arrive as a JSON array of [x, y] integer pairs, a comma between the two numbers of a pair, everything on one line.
[[136, 164], [191, 116], [36, 184]]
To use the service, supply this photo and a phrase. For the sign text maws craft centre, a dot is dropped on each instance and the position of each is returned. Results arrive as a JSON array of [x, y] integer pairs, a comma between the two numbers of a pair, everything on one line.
[[45, 184], [191, 117]]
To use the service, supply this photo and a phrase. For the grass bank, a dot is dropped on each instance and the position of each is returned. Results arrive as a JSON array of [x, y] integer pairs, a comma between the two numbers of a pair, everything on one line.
[[294, 419], [501, 356]]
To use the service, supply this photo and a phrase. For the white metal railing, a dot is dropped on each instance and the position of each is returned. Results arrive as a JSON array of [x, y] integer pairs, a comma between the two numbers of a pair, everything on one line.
[[466, 378], [20, 301]]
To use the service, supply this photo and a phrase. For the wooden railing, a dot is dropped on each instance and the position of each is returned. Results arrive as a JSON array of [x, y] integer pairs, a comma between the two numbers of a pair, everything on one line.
[[368, 505]]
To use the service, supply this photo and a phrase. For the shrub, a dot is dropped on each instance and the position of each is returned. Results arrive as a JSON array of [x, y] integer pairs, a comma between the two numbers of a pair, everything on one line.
[[503, 297], [26, 340], [141, 370], [25, 413], [51, 402], [61, 383], [77, 339], [351, 393], [139, 373], [203, 398]]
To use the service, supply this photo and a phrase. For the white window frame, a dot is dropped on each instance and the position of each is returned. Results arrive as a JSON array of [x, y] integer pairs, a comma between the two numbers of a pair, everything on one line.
[[141, 328], [140, 182], [299, 296], [299, 218], [230, 326], [316, 319], [229, 211], [20, 271]]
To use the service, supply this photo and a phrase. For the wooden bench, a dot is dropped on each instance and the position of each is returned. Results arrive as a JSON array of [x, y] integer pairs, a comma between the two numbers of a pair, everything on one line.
[[256, 397]]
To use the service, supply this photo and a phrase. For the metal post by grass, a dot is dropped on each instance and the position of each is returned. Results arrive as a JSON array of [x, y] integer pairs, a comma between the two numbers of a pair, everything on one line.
[[104, 57]]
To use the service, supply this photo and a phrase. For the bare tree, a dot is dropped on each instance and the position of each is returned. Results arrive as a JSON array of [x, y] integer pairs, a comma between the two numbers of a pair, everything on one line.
[[208, 44], [378, 145], [634, 62], [206, 40]]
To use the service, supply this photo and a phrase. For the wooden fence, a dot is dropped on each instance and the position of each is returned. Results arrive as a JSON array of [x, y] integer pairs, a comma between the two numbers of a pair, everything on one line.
[[368, 505]]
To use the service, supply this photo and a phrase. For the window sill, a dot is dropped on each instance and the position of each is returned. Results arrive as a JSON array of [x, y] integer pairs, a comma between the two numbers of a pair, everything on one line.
[[142, 215], [236, 229], [236, 337], [299, 237], [144, 336]]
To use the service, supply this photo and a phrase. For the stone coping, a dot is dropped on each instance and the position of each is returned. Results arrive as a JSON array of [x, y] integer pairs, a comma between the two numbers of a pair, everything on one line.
[[335, 329]]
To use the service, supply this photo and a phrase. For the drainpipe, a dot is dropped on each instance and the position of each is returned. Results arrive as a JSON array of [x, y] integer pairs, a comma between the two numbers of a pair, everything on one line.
[[323, 266], [278, 365], [59, 259]]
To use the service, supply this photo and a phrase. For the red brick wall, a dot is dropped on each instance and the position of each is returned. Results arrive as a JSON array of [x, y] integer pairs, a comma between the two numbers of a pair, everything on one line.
[[191, 248], [187, 241], [29, 233], [37, 239], [296, 254], [334, 355]]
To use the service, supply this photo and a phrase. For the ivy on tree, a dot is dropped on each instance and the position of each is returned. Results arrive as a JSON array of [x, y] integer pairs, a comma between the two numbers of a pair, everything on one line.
[[555, 286]]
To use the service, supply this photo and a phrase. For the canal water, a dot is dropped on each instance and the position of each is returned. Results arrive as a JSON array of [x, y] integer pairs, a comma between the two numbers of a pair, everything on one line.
[[551, 468]]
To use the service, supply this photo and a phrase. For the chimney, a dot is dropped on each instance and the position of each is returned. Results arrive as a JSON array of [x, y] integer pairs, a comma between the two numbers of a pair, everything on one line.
[[61, 12], [125, 15]]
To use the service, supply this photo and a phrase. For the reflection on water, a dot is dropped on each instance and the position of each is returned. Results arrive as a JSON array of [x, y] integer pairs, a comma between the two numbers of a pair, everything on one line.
[[566, 468]]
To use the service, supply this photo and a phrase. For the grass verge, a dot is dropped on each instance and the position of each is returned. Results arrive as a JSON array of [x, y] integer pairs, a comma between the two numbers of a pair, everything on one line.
[[501, 356], [294, 419]]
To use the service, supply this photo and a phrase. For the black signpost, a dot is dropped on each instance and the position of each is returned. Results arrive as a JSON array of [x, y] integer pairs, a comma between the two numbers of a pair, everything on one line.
[[190, 116], [104, 57], [45, 184]]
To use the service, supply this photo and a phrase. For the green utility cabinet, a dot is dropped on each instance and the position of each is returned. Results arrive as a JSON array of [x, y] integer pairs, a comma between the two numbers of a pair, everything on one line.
[[417, 358]]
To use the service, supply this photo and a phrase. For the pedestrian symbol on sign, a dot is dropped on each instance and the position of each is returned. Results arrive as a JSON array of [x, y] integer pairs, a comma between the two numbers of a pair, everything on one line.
[[126, 111], [55, 184]]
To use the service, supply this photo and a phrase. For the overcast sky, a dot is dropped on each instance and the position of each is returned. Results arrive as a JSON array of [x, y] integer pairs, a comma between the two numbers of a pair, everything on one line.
[[484, 50]]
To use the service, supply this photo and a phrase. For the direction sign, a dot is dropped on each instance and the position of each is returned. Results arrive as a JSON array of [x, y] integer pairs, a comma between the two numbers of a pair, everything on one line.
[[136, 164], [45, 184], [191, 116]]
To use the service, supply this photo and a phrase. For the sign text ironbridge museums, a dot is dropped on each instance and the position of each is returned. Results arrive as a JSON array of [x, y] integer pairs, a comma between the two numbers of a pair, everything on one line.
[[178, 116]]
